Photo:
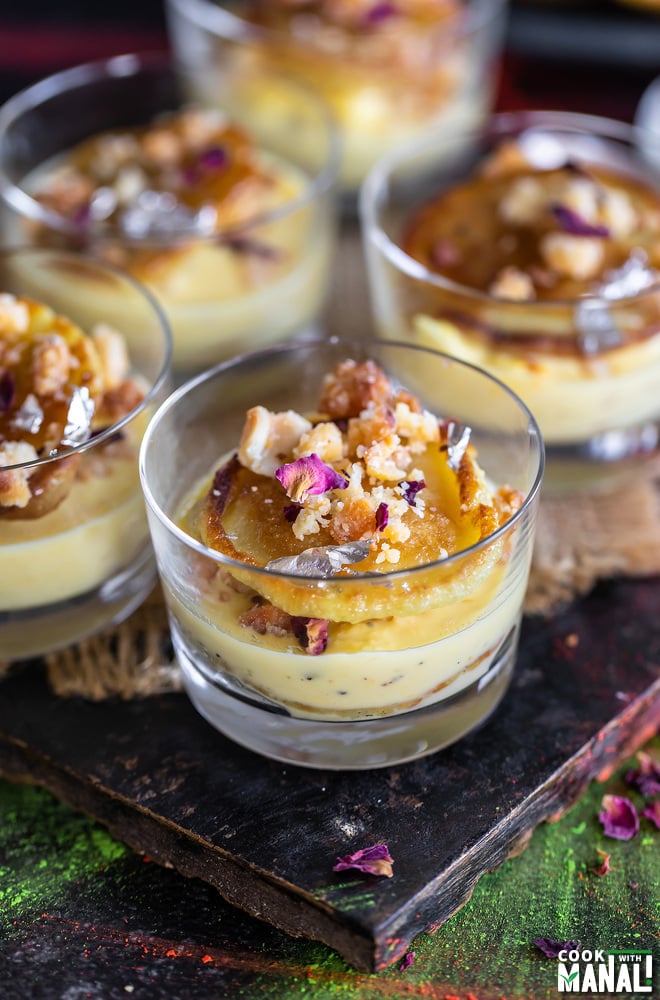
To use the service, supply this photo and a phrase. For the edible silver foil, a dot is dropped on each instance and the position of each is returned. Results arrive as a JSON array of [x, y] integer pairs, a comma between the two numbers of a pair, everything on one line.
[[325, 560]]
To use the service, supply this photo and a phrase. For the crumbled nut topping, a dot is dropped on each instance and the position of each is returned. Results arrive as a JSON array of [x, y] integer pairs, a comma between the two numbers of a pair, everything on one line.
[[57, 387], [188, 173], [527, 226], [372, 448]]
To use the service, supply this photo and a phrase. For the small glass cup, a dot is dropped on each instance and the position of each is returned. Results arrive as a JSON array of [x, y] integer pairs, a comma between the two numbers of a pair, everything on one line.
[[86, 560], [384, 82], [225, 289], [409, 683], [588, 367]]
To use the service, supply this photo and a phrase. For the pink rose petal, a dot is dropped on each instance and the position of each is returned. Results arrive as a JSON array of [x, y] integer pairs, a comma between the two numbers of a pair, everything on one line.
[[309, 476], [382, 516], [407, 961], [7, 391], [410, 488], [652, 812], [374, 860], [552, 948], [311, 633], [619, 817], [646, 777], [604, 866], [572, 222]]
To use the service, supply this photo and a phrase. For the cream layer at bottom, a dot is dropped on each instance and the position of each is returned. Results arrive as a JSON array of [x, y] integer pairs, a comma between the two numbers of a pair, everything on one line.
[[213, 314], [573, 400], [374, 668], [93, 534]]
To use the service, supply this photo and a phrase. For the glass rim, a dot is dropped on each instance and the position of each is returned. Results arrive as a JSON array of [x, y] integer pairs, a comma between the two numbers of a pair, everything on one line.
[[223, 23], [156, 384], [499, 125], [224, 367], [132, 64]]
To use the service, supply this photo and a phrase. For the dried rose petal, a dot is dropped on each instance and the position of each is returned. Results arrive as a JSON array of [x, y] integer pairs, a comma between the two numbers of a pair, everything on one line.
[[311, 633], [7, 391], [222, 483], [573, 223], [618, 817], [380, 12], [552, 948], [82, 217], [652, 812], [291, 512], [407, 961], [410, 489], [213, 158], [374, 860], [243, 245], [309, 476], [382, 516], [604, 866], [646, 777], [444, 254]]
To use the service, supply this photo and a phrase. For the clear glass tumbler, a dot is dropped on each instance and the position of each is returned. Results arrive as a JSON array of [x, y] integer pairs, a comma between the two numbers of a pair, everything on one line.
[[415, 657], [77, 556], [387, 75], [227, 282], [587, 364]]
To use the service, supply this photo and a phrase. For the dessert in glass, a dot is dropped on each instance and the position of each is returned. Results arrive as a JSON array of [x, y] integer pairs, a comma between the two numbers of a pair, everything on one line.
[[388, 71], [345, 560], [76, 391], [233, 238], [532, 249]]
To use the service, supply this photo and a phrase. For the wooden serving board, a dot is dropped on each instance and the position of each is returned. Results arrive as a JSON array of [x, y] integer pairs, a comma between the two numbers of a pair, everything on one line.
[[586, 693]]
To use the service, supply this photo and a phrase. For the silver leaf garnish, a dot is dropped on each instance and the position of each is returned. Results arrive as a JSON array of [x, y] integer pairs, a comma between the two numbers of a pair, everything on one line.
[[322, 560], [631, 278], [596, 328], [458, 438], [160, 213], [79, 418], [30, 415]]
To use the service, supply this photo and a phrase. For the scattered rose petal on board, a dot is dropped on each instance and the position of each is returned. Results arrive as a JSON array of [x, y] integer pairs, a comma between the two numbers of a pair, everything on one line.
[[374, 860], [652, 812], [552, 948], [406, 961], [646, 777], [604, 866], [619, 817]]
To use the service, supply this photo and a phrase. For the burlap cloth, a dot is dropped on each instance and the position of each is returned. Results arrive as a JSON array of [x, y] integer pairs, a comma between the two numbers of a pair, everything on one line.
[[579, 540]]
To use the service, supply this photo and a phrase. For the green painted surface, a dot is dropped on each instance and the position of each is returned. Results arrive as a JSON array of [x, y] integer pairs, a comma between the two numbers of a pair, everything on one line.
[[52, 861]]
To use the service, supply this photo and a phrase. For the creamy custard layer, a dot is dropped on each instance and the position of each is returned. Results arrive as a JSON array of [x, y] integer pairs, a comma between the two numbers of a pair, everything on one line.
[[572, 398], [96, 531], [375, 667]]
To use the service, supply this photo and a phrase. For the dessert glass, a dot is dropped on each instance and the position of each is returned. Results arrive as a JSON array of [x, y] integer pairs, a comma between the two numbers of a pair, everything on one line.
[[87, 561], [386, 79], [226, 287], [405, 684], [589, 366]]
